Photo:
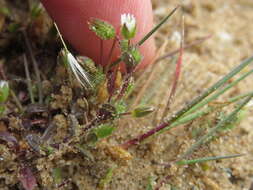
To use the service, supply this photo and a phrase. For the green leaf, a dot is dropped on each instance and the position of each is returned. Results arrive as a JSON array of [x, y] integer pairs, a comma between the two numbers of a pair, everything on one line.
[[104, 131], [102, 29], [132, 56], [36, 10]]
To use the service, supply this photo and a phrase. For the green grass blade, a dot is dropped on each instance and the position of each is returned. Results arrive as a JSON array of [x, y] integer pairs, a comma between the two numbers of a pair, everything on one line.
[[217, 94], [156, 27], [216, 128], [186, 119], [190, 117], [206, 159], [239, 97], [212, 88], [181, 112]]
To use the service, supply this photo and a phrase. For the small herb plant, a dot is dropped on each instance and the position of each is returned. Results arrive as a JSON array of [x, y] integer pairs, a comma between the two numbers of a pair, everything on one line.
[[103, 92]]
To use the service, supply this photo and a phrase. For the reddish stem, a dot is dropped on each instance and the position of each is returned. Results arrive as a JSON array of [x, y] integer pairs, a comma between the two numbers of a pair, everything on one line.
[[175, 80], [140, 138]]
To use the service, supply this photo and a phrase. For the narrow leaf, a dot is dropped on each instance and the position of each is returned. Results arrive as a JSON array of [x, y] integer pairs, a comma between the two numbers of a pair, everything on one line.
[[216, 128], [220, 92], [206, 159], [157, 27], [190, 105]]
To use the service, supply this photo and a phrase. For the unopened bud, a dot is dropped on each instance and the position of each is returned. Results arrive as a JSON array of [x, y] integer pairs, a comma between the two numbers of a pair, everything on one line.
[[128, 23], [142, 111]]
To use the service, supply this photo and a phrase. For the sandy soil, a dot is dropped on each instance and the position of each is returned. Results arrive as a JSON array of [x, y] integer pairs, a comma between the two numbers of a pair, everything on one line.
[[229, 24]]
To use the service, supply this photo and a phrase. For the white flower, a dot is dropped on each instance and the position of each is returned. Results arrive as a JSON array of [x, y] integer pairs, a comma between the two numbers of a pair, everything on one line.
[[3, 84], [80, 74], [129, 21]]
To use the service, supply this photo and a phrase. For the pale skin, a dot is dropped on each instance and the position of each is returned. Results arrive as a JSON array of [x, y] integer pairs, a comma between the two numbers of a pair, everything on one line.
[[72, 18]]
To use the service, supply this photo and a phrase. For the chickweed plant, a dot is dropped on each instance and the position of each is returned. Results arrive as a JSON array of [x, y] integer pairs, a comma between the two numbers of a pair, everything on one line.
[[105, 91]]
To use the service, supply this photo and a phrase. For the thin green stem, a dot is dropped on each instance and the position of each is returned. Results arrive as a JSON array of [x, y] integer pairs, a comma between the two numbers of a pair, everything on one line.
[[156, 27]]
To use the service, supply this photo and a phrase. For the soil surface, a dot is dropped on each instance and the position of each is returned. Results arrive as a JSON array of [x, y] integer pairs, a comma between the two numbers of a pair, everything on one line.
[[227, 26]]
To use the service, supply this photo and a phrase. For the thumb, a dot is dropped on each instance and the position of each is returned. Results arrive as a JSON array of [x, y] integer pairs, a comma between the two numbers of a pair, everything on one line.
[[72, 18]]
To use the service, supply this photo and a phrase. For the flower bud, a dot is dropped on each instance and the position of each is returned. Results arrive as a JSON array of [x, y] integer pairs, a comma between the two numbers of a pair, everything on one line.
[[128, 24], [142, 111]]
